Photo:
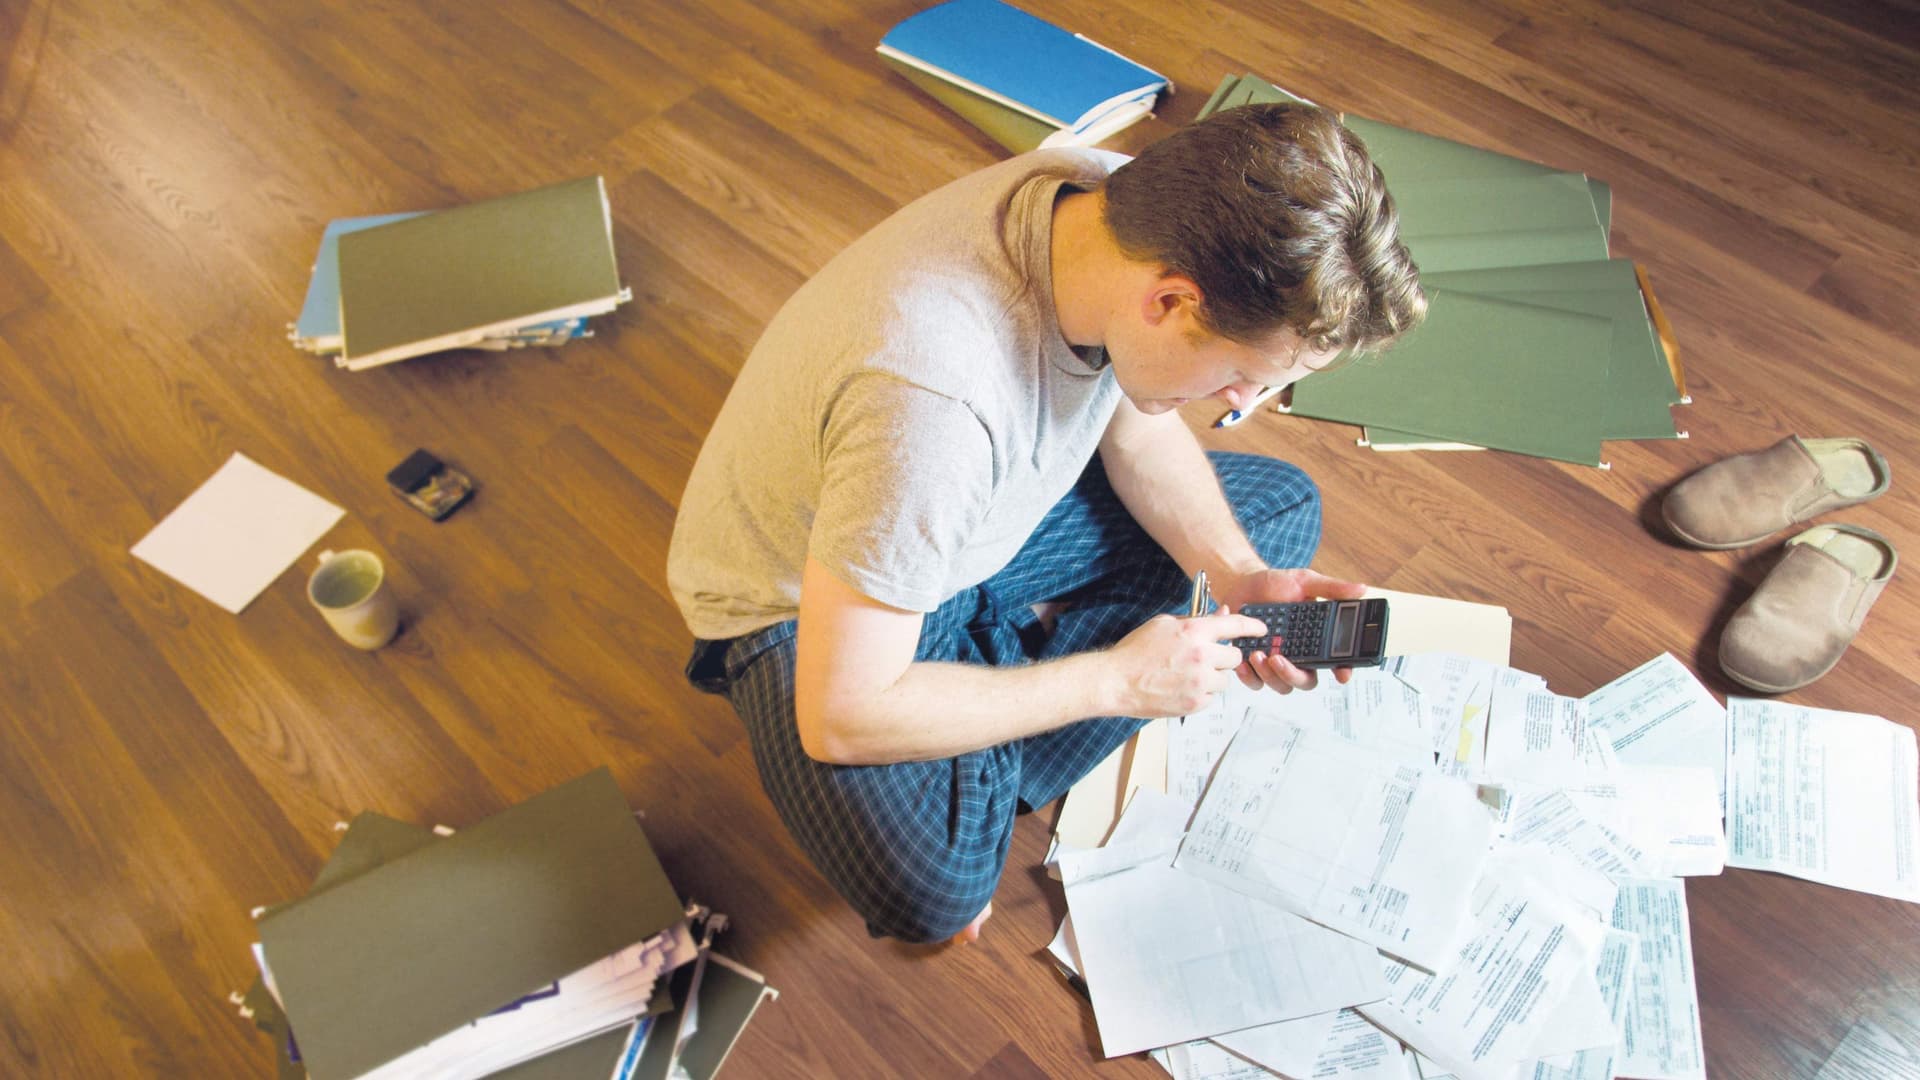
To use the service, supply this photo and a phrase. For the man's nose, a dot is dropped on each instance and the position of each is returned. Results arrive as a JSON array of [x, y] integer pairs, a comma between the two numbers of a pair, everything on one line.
[[1237, 395]]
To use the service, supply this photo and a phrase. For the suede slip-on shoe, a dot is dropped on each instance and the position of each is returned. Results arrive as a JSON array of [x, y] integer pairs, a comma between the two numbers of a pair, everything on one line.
[[1744, 498], [1796, 625]]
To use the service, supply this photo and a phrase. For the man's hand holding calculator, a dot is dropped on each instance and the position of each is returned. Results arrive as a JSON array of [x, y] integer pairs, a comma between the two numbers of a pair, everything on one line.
[[1309, 638]]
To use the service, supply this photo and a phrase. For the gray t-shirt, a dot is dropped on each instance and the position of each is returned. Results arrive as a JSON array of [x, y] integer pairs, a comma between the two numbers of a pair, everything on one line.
[[908, 416]]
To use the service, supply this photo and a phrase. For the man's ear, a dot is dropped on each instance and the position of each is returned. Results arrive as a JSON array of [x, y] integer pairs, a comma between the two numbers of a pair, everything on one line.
[[1169, 295]]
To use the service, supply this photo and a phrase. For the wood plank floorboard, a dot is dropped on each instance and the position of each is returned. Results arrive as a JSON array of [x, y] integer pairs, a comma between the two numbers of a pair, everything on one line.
[[166, 167]]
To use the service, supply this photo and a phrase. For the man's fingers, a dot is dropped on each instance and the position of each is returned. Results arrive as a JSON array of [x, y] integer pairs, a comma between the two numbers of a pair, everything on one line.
[[1278, 671], [1319, 584], [1224, 624]]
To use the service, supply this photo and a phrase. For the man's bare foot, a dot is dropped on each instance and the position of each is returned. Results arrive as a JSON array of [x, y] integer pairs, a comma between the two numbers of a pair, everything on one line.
[[972, 932], [1048, 612]]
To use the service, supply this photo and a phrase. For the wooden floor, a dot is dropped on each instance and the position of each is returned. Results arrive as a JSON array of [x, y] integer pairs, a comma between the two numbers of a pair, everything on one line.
[[165, 170]]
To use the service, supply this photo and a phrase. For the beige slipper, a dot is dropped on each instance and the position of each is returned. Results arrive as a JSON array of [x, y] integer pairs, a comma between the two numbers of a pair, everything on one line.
[[1740, 500], [1796, 625]]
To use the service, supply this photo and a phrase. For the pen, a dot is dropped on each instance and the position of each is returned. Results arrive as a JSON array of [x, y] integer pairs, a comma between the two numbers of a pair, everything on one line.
[[1234, 416], [1198, 604]]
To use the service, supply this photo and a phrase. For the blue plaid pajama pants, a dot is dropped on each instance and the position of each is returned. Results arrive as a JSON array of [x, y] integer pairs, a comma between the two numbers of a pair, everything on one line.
[[917, 848]]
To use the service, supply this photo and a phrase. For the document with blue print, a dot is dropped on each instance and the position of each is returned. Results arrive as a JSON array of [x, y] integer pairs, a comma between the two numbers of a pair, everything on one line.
[[1824, 795], [1501, 1002], [1660, 1039], [1659, 714]]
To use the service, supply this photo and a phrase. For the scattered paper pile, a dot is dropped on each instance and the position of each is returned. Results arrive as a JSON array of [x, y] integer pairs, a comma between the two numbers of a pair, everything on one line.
[[544, 942], [1443, 868], [519, 270]]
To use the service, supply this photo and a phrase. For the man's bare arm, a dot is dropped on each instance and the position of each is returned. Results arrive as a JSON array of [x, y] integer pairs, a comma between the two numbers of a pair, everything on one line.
[[1163, 478], [861, 699]]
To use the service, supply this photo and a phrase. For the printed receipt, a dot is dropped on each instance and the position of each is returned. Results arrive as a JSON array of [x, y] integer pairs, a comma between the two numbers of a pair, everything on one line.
[[1661, 1039], [1659, 714], [1824, 795]]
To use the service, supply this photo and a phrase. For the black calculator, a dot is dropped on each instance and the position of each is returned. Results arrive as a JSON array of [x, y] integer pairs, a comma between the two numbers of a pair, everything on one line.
[[1320, 633]]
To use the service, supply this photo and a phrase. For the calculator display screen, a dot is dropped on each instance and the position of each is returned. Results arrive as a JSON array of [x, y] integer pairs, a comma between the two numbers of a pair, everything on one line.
[[1346, 621]]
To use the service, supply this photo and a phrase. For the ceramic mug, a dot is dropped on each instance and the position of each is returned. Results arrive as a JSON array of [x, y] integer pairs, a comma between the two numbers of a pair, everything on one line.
[[350, 589]]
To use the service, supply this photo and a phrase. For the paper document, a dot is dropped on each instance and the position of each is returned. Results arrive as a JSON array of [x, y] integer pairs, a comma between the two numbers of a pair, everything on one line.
[[1535, 734], [1450, 686], [1169, 958], [1824, 795], [1352, 840], [1195, 742], [1548, 818], [1659, 714], [1661, 1038], [1374, 710], [1358, 1050], [236, 533], [1670, 815], [1492, 1006], [1613, 976], [1291, 1047]]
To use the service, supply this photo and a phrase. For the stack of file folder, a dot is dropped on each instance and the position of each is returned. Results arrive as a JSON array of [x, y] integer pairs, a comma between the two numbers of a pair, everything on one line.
[[1536, 340], [543, 943], [522, 269]]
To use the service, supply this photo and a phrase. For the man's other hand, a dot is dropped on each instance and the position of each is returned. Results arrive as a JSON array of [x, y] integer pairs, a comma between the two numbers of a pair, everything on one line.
[[1171, 666], [1283, 587]]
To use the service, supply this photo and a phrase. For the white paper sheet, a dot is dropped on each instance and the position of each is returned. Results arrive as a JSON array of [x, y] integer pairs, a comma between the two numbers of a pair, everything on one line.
[[1491, 1007], [1824, 795], [1374, 709], [1290, 1047], [1670, 815], [1661, 1038], [1169, 958], [1202, 1060], [236, 533], [1358, 1050], [1548, 817], [1195, 743], [1613, 978], [1448, 684], [1350, 839], [1659, 714], [1534, 734], [1590, 891]]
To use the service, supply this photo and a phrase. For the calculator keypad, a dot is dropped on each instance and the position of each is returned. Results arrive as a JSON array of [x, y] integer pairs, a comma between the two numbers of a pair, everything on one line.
[[1295, 631]]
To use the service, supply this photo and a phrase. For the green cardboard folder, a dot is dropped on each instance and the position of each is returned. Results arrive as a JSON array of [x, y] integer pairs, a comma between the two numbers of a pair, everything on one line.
[[1640, 391], [1499, 221], [1004, 124], [1480, 370], [370, 840], [727, 994], [449, 279], [1402, 153], [384, 962], [373, 840]]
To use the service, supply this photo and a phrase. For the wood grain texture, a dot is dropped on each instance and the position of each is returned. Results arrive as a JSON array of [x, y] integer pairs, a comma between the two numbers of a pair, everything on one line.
[[166, 167]]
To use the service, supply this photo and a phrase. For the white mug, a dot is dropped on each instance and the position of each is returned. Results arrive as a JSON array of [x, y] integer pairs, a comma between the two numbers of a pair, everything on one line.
[[350, 589]]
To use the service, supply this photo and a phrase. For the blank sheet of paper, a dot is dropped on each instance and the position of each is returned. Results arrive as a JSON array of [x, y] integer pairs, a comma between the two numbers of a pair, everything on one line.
[[238, 532]]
